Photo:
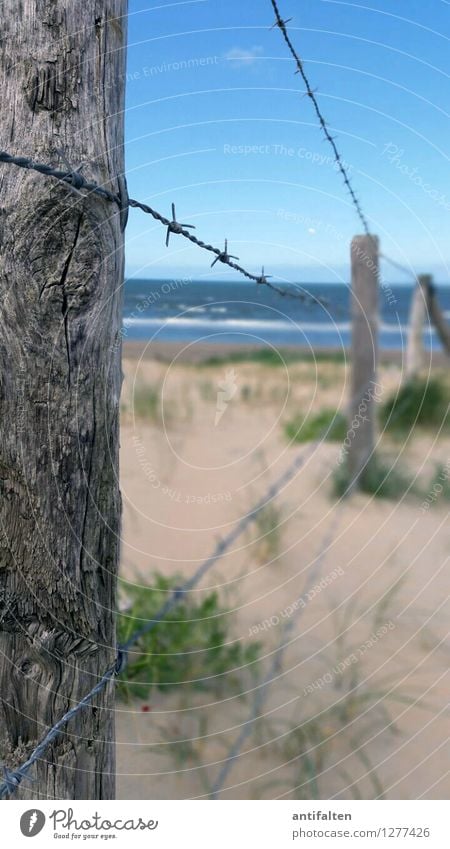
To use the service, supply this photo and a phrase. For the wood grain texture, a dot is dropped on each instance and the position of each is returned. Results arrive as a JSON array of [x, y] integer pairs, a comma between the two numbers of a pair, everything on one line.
[[364, 254], [62, 73], [437, 317]]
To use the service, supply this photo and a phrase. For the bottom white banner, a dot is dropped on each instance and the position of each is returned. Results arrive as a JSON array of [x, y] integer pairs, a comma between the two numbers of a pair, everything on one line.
[[221, 825]]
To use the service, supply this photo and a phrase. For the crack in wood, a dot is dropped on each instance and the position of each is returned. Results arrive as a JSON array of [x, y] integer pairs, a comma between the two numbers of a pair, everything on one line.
[[65, 303], [59, 500]]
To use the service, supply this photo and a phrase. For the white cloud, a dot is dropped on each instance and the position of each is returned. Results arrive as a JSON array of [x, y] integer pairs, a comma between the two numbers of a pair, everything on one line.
[[243, 57]]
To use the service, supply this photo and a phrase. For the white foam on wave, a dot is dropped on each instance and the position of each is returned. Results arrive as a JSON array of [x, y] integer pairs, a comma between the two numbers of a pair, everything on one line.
[[253, 324], [238, 323]]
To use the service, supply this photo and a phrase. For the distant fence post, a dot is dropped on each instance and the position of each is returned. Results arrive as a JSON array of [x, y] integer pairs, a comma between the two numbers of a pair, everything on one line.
[[437, 317], [424, 305], [364, 314], [415, 352]]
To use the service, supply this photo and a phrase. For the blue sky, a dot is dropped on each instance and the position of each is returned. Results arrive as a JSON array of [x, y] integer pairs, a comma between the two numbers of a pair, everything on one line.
[[216, 122]]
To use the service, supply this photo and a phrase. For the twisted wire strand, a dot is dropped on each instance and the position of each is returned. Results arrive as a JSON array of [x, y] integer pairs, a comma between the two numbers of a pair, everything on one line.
[[281, 25], [398, 265], [77, 182], [262, 692], [13, 778]]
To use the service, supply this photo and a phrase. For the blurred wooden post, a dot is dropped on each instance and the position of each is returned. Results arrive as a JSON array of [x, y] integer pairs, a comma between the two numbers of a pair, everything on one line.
[[424, 305], [437, 317], [364, 311], [415, 353]]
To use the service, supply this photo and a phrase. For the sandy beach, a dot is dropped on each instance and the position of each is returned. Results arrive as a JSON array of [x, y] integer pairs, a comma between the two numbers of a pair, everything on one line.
[[361, 693]]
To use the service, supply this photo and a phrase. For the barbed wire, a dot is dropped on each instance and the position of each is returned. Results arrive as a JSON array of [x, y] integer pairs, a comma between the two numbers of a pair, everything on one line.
[[399, 266], [276, 665], [76, 182], [13, 778], [281, 25], [275, 668]]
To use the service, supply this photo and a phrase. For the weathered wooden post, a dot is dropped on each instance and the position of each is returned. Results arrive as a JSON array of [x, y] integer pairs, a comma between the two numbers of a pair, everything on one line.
[[415, 352], [364, 314], [62, 72], [425, 305], [437, 317]]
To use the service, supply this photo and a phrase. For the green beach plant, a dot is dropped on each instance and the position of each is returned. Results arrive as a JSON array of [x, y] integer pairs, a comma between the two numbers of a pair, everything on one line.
[[190, 648], [270, 357]]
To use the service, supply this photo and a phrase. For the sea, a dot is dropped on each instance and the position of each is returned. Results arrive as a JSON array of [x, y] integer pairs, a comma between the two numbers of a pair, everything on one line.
[[314, 315]]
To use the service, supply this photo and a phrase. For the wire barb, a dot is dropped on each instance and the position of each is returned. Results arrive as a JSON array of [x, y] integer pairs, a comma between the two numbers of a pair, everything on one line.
[[263, 278], [175, 227], [77, 178], [280, 23], [74, 178], [224, 256]]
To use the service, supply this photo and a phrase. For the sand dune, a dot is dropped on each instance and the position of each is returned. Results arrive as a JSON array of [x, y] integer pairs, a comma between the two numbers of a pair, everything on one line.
[[379, 619]]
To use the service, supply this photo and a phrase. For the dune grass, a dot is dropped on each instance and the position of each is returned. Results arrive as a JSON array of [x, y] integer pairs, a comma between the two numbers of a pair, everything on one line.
[[266, 545], [149, 406], [328, 425], [269, 357], [380, 478], [422, 402], [147, 403], [329, 734], [327, 738]]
